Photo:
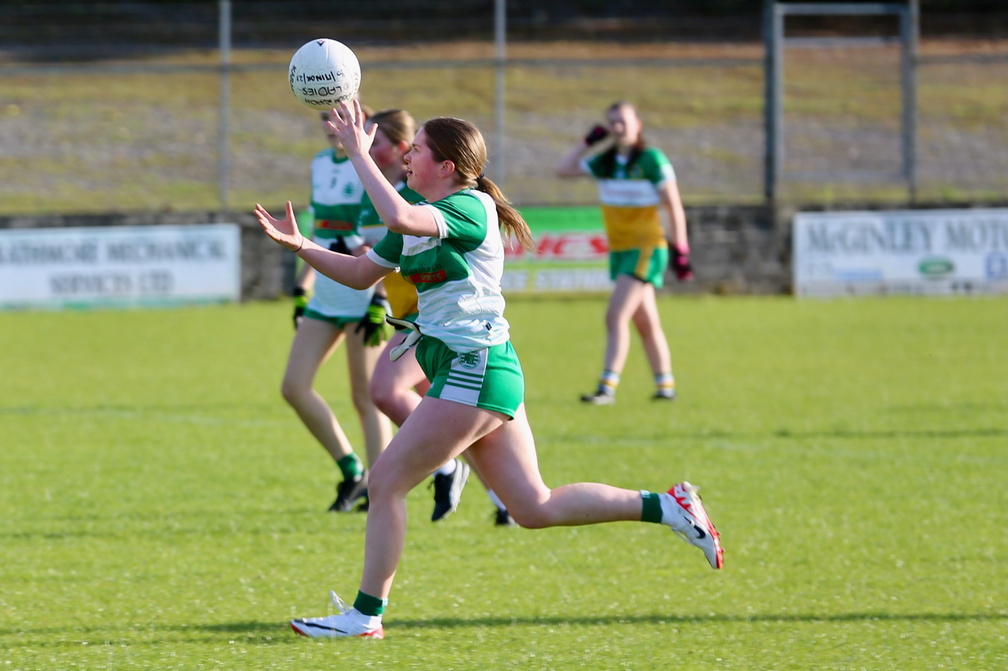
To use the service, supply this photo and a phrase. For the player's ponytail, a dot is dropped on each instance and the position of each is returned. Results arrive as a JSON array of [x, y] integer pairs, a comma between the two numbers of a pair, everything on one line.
[[462, 143], [511, 220]]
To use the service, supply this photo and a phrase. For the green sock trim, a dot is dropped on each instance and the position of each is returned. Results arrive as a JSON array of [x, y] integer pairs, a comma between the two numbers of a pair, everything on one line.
[[370, 605], [651, 509], [350, 466]]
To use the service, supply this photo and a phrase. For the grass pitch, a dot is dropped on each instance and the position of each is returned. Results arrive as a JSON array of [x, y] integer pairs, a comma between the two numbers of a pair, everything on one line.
[[163, 509]]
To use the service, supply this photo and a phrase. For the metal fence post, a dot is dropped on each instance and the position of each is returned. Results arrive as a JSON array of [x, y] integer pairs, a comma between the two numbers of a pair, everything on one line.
[[223, 130], [771, 98], [910, 30], [500, 44]]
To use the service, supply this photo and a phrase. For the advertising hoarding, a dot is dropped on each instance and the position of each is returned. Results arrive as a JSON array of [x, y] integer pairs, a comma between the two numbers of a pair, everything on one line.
[[126, 266], [901, 252]]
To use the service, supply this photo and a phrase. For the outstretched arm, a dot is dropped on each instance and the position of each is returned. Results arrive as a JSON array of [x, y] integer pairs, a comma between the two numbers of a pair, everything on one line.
[[356, 272], [396, 212]]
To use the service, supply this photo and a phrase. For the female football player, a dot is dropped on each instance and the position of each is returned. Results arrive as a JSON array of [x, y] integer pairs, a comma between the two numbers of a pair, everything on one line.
[[634, 181], [452, 248]]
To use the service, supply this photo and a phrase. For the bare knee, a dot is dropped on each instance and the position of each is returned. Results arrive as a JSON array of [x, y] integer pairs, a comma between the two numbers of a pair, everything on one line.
[[293, 392], [645, 328], [383, 396], [384, 482], [362, 400], [613, 320], [531, 513]]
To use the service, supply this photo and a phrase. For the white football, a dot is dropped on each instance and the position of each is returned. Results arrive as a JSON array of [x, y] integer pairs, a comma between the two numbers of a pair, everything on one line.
[[324, 73]]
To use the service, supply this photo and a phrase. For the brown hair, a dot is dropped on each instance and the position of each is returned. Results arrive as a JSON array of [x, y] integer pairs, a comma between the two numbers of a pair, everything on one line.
[[397, 125], [462, 143]]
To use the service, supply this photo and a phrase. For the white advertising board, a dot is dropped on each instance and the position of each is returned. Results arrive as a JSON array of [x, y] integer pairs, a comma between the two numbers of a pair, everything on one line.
[[119, 266], [901, 252]]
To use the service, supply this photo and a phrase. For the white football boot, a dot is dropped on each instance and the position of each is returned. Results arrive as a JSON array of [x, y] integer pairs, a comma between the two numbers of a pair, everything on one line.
[[685, 514], [348, 622]]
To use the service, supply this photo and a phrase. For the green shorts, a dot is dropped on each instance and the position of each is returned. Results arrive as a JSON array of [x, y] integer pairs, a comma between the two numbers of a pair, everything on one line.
[[647, 264], [491, 379], [338, 322]]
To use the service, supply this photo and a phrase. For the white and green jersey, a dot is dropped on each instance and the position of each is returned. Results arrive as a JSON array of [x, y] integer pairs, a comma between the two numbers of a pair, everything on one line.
[[336, 193], [371, 226], [457, 274]]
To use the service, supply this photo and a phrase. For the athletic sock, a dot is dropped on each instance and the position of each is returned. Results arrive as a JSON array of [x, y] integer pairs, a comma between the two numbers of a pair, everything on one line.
[[608, 382], [447, 469], [371, 606], [350, 466], [494, 499], [651, 507], [665, 383]]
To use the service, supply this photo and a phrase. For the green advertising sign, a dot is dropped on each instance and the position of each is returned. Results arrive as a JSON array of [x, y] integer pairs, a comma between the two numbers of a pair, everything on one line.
[[572, 253]]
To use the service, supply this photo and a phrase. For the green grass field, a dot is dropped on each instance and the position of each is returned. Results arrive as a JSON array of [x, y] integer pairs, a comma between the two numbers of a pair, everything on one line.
[[163, 509]]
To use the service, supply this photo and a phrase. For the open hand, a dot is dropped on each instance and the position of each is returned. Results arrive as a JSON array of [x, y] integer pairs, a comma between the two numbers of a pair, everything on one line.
[[283, 231], [348, 122]]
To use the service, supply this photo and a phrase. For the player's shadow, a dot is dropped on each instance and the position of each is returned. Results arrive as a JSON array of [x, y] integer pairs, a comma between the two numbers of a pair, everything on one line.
[[268, 628], [279, 633]]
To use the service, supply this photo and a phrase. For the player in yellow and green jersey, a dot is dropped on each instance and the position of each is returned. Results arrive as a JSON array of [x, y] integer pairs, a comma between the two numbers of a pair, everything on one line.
[[636, 182]]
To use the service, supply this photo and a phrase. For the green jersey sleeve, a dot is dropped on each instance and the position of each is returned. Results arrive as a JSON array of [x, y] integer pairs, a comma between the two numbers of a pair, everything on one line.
[[464, 220], [654, 166], [388, 249]]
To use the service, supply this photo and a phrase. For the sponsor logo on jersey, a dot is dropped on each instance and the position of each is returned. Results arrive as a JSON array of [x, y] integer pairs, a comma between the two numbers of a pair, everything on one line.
[[333, 225], [427, 278]]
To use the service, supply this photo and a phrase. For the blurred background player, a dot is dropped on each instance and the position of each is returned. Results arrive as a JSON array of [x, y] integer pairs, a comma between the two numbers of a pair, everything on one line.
[[398, 386], [334, 314], [635, 180]]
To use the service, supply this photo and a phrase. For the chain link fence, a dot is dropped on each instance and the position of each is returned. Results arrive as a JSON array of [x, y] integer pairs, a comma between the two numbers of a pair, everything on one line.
[[131, 107]]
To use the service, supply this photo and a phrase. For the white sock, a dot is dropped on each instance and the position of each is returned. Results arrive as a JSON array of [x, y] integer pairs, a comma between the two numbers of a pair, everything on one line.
[[447, 469], [369, 621], [496, 501]]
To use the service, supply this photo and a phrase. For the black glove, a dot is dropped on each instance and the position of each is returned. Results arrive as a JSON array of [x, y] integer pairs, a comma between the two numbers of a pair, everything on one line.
[[339, 245], [680, 264], [596, 134], [300, 303], [373, 325]]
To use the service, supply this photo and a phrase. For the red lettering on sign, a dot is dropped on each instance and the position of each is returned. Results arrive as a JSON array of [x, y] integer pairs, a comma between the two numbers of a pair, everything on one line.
[[566, 247]]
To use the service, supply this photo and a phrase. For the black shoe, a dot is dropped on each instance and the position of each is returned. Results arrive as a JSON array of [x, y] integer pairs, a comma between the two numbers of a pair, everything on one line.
[[502, 518], [448, 490], [347, 493], [599, 398]]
